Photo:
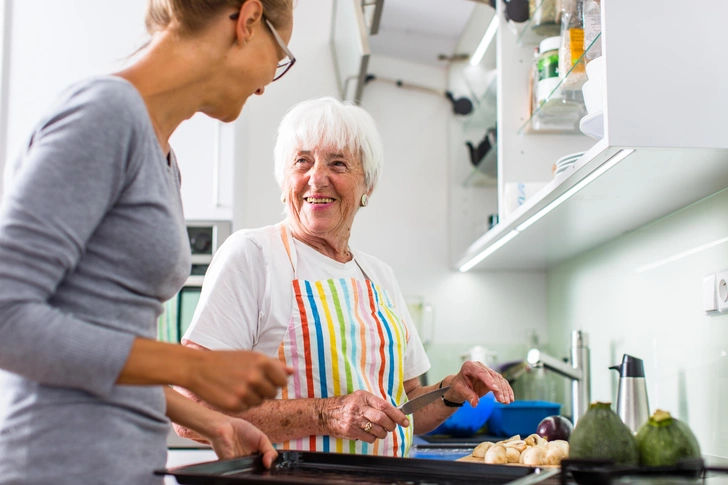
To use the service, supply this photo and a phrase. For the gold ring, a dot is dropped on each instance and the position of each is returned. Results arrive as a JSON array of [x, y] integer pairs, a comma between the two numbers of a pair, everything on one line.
[[368, 426]]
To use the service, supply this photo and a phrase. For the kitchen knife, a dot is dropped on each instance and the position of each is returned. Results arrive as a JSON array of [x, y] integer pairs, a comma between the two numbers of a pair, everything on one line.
[[421, 401]]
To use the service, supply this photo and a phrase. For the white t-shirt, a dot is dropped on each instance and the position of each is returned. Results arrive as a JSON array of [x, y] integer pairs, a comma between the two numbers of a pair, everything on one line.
[[247, 298]]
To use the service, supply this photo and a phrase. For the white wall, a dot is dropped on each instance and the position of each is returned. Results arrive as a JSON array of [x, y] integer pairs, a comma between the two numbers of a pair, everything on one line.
[[55, 43], [654, 312], [406, 223]]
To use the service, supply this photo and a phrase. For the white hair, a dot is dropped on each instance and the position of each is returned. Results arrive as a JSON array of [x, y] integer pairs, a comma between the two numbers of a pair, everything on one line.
[[327, 122]]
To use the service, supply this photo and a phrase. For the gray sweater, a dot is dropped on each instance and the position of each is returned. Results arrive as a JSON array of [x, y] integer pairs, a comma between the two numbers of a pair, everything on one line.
[[92, 241]]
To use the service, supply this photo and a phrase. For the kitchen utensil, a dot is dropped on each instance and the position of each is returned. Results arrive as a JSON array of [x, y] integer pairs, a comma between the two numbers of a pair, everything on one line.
[[632, 404], [421, 401], [300, 467], [593, 125], [570, 158]]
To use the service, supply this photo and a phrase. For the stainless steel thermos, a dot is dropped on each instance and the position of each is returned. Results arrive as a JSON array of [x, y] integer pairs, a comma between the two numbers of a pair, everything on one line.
[[632, 404]]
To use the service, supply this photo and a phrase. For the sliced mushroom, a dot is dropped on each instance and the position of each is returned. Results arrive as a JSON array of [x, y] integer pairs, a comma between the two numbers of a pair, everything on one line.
[[533, 456], [553, 456], [479, 451], [520, 445], [513, 454], [496, 455], [559, 445], [531, 440]]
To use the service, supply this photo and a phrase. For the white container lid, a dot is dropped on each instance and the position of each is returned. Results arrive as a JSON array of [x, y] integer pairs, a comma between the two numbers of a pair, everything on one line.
[[549, 44]]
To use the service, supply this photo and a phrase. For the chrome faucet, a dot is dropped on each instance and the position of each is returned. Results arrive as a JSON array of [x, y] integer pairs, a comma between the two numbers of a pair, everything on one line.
[[578, 371]]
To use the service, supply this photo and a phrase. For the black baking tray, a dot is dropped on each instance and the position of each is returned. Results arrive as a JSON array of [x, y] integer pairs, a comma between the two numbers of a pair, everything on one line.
[[605, 472], [308, 468]]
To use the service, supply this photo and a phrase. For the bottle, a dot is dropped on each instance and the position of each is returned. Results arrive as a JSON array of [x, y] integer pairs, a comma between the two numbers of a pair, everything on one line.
[[592, 27], [547, 69], [572, 45], [632, 404]]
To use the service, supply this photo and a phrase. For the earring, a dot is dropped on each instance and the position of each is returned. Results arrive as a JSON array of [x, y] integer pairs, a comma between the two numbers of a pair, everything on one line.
[[283, 198], [364, 200]]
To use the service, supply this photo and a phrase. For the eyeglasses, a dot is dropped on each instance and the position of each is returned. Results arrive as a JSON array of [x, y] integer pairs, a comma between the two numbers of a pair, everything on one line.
[[288, 61]]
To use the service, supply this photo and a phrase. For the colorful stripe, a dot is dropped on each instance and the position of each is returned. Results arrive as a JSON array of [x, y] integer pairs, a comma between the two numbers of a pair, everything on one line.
[[350, 330]]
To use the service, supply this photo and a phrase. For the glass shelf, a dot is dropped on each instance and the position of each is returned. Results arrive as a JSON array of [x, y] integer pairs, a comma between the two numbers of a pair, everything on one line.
[[530, 32], [484, 109], [484, 175], [563, 108]]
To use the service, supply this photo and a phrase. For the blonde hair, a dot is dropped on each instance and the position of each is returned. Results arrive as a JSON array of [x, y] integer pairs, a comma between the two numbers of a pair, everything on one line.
[[193, 15]]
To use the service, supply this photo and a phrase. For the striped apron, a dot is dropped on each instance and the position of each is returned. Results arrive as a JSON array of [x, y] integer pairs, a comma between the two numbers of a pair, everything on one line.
[[344, 335]]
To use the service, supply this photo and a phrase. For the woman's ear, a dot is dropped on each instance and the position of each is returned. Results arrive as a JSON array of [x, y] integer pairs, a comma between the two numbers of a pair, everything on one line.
[[251, 14]]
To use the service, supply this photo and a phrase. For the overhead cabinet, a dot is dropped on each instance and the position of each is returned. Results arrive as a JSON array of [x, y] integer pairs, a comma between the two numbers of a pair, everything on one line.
[[663, 146]]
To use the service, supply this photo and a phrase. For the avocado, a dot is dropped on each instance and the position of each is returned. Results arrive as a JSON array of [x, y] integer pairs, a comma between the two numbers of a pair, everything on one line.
[[665, 441], [600, 434]]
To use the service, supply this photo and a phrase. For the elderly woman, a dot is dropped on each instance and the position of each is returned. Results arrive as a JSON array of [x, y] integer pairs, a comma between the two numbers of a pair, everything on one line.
[[298, 291]]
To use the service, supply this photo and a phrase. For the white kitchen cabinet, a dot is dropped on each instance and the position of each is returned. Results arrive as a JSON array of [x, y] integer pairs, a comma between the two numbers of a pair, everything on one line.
[[204, 149], [664, 145], [53, 44]]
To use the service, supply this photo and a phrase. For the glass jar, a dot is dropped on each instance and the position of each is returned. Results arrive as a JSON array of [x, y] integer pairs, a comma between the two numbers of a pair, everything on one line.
[[592, 28], [547, 68], [545, 16]]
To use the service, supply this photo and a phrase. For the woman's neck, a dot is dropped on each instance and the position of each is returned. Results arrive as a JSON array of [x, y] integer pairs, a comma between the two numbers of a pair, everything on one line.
[[168, 80], [334, 246]]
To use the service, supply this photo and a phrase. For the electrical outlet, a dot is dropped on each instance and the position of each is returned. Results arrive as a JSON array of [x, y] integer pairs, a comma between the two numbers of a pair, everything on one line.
[[721, 290], [710, 299]]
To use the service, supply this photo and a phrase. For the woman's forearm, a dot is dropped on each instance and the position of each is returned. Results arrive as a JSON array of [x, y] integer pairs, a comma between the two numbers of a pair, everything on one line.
[[156, 363], [288, 419], [193, 416], [432, 415], [280, 419]]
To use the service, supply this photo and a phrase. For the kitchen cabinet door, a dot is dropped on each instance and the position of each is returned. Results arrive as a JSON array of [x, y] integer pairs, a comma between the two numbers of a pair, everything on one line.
[[69, 41], [204, 149]]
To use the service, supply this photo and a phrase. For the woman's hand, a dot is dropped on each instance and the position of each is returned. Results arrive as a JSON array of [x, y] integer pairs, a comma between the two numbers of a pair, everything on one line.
[[235, 380], [237, 437], [475, 380], [360, 416]]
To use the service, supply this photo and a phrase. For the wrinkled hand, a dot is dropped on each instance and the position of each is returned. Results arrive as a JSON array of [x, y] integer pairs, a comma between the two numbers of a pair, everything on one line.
[[474, 381], [237, 437], [236, 380], [347, 416]]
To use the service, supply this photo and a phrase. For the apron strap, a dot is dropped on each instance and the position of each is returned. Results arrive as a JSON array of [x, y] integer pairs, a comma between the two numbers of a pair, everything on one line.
[[288, 245], [291, 250]]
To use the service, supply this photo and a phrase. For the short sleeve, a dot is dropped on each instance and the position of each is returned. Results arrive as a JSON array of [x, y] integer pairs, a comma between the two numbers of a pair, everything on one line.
[[416, 361], [229, 311]]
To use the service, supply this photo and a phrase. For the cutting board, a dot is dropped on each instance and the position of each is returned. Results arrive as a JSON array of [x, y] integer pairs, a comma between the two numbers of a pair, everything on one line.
[[472, 459]]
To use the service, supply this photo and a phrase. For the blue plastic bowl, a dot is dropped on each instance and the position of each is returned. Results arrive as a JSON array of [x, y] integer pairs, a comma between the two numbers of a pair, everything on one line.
[[520, 417], [467, 420]]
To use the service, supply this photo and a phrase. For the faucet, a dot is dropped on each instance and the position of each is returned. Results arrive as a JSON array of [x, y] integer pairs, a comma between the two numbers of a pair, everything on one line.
[[578, 371]]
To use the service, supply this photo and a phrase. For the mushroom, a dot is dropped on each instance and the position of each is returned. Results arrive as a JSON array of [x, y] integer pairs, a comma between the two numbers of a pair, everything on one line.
[[479, 451], [520, 445], [496, 455], [559, 445], [553, 456], [533, 456], [513, 454]]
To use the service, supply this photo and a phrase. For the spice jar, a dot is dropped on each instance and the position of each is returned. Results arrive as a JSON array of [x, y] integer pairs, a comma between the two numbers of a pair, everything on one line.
[[545, 16], [547, 68]]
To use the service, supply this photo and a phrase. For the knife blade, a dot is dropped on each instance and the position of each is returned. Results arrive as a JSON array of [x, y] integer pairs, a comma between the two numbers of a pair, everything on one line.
[[421, 401]]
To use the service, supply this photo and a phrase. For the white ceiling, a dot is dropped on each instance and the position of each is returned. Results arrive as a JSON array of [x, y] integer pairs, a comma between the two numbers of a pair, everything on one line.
[[420, 30]]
